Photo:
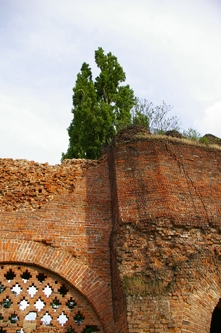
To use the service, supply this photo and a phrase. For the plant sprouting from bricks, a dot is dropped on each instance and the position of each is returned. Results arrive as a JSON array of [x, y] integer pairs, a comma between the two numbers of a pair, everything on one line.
[[143, 286]]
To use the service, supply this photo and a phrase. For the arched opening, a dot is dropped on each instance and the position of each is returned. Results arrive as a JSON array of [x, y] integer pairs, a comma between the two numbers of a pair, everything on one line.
[[215, 326], [34, 300]]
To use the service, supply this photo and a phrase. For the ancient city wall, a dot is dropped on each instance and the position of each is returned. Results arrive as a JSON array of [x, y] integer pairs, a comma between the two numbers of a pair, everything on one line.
[[133, 239]]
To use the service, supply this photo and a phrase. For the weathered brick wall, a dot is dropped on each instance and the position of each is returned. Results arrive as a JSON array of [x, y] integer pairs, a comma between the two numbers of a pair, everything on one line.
[[137, 233], [59, 218], [119, 305], [64, 206], [167, 234]]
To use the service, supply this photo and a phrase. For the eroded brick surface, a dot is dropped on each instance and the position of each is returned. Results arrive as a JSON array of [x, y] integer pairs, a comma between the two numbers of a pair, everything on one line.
[[136, 233], [166, 238], [27, 185], [59, 217]]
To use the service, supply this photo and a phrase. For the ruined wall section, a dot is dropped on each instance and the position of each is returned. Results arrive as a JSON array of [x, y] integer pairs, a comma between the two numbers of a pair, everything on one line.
[[27, 185], [155, 207], [63, 207], [167, 236]]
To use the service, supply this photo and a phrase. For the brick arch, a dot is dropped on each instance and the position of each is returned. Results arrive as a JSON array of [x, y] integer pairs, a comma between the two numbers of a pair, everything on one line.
[[199, 307], [63, 264]]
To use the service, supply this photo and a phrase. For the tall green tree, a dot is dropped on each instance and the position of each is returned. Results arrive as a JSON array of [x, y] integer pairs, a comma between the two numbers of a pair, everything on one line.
[[100, 107]]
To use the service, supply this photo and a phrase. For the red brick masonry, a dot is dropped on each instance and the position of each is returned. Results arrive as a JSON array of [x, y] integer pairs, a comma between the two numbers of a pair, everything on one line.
[[137, 233]]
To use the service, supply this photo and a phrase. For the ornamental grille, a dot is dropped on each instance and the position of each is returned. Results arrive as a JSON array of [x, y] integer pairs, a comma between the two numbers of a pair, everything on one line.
[[33, 300]]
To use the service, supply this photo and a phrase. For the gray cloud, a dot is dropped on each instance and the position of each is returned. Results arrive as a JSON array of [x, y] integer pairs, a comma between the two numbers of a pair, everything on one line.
[[169, 50]]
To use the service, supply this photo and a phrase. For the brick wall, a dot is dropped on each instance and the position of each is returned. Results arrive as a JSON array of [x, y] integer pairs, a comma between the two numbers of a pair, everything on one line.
[[137, 233], [167, 233], [59, 218]]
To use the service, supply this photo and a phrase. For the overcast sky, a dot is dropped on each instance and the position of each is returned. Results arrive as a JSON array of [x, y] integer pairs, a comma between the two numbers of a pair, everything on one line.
[[170, 50]]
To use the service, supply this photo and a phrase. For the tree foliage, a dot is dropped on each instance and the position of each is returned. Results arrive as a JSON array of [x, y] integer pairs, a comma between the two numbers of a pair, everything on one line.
[[100, 107], [191, 134], [155, 118]]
